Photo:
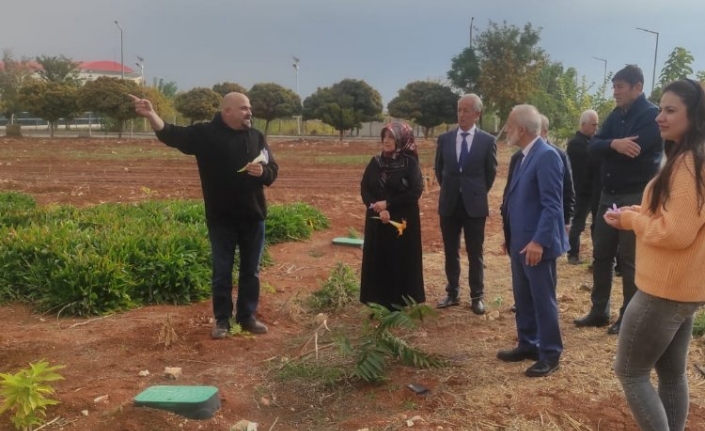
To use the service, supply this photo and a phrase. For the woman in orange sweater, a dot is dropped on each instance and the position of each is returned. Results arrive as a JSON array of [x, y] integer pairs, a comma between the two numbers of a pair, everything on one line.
[[670, 254]]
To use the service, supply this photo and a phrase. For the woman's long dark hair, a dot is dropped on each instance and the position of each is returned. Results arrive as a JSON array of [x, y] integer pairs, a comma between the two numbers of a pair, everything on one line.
[[693, 97]]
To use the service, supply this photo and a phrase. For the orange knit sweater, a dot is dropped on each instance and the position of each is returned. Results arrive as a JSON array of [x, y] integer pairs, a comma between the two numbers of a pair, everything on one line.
[[670, 245]]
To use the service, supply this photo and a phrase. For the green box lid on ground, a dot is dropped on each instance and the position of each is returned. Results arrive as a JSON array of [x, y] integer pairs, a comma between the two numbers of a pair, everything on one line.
[[193, 402], [352, 242]]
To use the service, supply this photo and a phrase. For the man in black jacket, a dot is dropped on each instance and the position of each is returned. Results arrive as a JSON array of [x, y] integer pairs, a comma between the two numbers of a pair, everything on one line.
[[631, 148], [234, 163], [586, 168]]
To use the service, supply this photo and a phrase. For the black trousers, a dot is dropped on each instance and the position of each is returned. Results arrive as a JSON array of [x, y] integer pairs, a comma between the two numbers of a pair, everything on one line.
[[583, 207], [474, 230], [611, 245]]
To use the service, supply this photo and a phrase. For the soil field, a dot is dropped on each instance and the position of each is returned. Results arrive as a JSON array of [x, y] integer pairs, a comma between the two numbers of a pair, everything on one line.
[[105, 355]]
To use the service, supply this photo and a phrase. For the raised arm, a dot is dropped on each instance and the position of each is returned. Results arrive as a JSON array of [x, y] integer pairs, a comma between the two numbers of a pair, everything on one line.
[[144, 108]]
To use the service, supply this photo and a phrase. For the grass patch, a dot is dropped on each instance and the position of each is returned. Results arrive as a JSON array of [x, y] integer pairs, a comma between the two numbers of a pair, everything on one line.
[[341, 288], [114, 257]]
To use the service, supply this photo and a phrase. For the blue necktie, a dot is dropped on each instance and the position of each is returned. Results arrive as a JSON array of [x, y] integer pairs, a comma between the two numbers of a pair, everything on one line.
[[463, 150]]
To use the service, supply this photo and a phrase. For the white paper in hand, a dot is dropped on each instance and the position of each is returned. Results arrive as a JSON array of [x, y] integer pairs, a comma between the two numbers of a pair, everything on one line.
[[262, 158]]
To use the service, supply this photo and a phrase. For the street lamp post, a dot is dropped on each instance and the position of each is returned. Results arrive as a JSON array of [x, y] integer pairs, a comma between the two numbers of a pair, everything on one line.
[[472, 18], [298, 117], [653, 77], [604, 74], [122, 61], [140, 64]]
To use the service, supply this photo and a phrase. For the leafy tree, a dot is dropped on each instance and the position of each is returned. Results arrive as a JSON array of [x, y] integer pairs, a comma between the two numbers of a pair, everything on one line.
[[464, 73], [168, 89], [229, 87], [560, 96], [428, 104], [198, 104], [270, 101], [345, 105], [678, 66], [50, 100], [108, 96], [12, 75], [160, 102], [700, 76], [601, 104], [510, 61], [58, 69]]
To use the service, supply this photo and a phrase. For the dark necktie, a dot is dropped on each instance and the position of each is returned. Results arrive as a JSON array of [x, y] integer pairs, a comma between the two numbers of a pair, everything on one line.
[[463, 150], [520, 158]]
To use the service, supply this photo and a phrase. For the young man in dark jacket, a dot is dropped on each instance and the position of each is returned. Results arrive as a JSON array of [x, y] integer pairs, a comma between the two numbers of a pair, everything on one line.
[[234, 163], [631, 147]]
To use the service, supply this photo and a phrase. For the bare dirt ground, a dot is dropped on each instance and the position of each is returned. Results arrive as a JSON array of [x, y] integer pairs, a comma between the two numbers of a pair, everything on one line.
[[103, 356]]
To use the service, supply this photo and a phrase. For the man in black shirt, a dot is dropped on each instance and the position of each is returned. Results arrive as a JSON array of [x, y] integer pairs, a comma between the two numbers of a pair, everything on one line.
[[631, 148], [234, 163], [585, 168]]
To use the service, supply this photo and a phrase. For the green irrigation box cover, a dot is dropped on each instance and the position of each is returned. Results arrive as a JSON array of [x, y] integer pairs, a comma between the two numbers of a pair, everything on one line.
[[193, 402], [352, 242]]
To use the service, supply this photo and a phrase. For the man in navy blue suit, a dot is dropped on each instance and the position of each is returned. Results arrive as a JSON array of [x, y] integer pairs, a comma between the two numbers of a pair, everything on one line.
[[465, 167], [536, 237]]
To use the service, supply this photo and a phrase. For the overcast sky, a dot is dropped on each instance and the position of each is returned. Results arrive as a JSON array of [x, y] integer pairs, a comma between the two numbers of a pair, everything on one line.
[[388, 43]]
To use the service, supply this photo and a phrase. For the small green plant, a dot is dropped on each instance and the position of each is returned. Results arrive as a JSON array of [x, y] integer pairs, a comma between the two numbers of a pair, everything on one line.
[[352, 233], [236, 329], [340, 289], [25, 394], [498, 300], [379, 343], [408, 405], [267, 288]]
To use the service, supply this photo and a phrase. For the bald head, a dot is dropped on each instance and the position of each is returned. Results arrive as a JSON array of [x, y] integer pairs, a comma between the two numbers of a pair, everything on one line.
[[236, 111]]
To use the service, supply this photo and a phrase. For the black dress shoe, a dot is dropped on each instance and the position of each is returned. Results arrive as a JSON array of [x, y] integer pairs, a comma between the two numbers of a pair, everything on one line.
[[614, 329], [478, 307], [448, 301], [513, 308], [517, 354], [592, 320], [542, 368]]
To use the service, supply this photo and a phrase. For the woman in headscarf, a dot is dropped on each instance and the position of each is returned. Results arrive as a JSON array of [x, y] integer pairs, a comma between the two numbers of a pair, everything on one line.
[[391, 186]]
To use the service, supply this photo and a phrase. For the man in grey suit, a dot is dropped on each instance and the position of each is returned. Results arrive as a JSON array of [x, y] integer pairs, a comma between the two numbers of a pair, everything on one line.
[[466, 166]]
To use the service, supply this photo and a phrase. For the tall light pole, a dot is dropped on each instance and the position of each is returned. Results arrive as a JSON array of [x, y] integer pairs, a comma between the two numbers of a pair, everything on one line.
[[604, 74], [653, 77], [140, 64], [472, 18], [298, 117], [122, 61]]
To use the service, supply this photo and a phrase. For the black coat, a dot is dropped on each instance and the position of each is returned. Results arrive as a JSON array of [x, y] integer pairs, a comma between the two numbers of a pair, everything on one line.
[[220, 151], [392, 265]]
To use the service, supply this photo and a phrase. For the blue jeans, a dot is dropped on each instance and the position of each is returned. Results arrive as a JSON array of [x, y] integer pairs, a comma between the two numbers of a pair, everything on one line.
[[655, 333], [248, 237]]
